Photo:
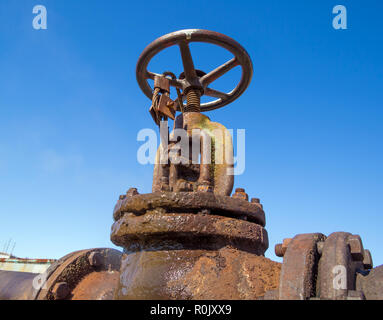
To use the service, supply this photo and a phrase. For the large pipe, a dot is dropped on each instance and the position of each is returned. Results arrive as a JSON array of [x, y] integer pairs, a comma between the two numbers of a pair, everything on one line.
[[82, 275], [17, 285]]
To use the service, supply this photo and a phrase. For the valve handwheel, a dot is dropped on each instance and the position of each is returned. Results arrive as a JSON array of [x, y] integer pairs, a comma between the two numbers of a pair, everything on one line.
[[191, 77]]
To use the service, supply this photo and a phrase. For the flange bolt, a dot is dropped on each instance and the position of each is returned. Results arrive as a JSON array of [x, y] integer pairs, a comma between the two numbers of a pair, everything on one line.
[[280, 248], [240, 194], [95, 259], [60, 291]]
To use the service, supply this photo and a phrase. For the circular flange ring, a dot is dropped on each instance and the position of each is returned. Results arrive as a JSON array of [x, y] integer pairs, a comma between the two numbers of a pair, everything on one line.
[[182, 38]]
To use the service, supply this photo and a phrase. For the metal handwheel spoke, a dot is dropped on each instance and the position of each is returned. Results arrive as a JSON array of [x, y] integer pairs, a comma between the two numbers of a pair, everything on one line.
[[216, 94], [219, 72], [187, 60]]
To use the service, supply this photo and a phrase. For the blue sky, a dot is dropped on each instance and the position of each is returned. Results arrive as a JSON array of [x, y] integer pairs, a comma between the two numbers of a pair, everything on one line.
[[70, 111]]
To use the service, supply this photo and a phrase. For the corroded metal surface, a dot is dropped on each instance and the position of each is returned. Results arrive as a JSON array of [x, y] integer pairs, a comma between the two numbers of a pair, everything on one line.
[[87, 275], [192, 202], [73, 268], [297, 281], [178, 245], [215, 171], [371, 283], [213, 174], [188, 230], [342, 253], [332, 268], [226, 273], [97, 286]]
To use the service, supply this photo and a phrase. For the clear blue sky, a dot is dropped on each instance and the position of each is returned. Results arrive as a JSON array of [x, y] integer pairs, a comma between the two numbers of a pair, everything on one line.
[[70, 110]]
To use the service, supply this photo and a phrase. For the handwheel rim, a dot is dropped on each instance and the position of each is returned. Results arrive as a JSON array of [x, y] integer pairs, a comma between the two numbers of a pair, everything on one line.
[[197, 35]]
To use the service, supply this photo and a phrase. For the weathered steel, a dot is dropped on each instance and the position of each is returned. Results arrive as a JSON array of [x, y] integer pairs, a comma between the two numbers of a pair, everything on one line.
[[371, 283], [280, 248], [192, 202], [87, 275], [300, 261], [188, 229], [241, 194], [338, 265], [184, 256], [333, 268], [177, 245], [215, 171], [367, 260], [68, 273]]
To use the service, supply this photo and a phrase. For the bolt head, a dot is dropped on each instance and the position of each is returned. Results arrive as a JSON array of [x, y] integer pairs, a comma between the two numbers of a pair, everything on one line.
[[255, 200], [95, 259], [132, 192], [367, 260], [60, 290], [279, 250], [240, 194], [356, 247], [286, 242]]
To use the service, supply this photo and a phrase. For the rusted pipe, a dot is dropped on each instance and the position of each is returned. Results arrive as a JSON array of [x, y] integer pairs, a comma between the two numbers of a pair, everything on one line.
[[91, 274], [17, 285]]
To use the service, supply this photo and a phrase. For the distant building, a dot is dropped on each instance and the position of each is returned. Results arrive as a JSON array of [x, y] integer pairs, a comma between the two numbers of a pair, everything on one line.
[[4, 255], [12, 263]]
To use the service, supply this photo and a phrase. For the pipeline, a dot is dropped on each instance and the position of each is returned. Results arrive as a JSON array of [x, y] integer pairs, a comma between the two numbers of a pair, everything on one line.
[[81, 275], [17, 285]]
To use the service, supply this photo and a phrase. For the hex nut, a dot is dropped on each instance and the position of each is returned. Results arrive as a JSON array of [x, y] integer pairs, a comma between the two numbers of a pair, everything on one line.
[[356, 247], [240, 194], [367, 260], [132, 192], [95, 259], [279, 250], [60, 290]]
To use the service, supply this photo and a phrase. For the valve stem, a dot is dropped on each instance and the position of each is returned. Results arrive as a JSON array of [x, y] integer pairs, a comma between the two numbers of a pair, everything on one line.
[[193, 100]]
